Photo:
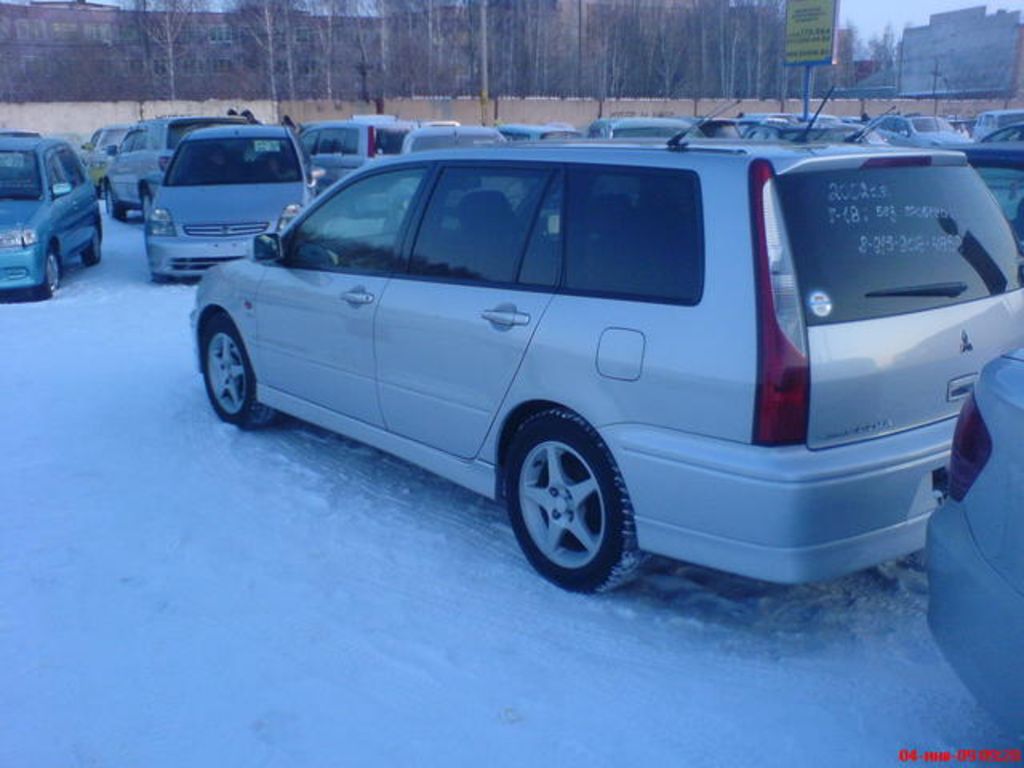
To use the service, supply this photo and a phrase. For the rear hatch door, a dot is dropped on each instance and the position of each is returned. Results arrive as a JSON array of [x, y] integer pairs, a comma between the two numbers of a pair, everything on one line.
[[910, 282]]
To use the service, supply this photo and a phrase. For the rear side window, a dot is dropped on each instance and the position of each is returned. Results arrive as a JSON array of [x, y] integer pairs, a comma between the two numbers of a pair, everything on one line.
[[635, 234], [877, 242], [477, 222]]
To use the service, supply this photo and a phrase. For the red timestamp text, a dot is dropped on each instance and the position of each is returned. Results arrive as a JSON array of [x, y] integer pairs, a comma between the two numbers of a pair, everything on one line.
[[1005, 756]]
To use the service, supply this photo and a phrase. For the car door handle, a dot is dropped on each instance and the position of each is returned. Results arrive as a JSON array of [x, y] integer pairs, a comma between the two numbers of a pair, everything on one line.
[[505, 316], [358, 296]]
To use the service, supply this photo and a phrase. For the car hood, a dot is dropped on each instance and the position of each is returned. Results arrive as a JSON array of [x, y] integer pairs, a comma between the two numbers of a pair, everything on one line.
[[1017, 355], [229, 204], [18, 212]]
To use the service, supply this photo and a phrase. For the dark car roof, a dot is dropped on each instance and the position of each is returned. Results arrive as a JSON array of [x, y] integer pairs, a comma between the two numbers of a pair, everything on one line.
[[29, 143], [1003, 152]]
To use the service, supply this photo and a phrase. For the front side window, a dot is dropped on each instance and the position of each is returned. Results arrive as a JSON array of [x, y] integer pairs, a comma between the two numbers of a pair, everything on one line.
[[635, 234], [54, 170], [477, 222], [207, 162], [358, 228], [72, 170], [131, 142], [19, 176]]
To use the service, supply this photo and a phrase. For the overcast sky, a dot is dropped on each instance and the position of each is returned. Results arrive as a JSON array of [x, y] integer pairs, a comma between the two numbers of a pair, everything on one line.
[[871, 16]]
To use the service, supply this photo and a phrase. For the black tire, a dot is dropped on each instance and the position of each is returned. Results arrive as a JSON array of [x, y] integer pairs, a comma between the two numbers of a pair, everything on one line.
[[115, 209], [249, 413], [53, 270], [615, 558], [92, 255]]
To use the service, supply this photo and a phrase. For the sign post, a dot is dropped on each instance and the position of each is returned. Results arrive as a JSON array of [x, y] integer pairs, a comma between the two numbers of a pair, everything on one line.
[[810, 38]]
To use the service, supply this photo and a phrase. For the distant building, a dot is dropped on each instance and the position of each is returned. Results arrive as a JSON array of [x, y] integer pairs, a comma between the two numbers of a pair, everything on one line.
[[963, 54]]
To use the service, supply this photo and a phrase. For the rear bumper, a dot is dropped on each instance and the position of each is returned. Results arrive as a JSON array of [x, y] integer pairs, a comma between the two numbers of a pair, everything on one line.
[[977, 618], [192, 256], [781, 514]]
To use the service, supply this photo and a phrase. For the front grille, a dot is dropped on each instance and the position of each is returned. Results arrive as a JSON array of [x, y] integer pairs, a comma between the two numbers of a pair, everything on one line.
[[226, 230], [192, 265]]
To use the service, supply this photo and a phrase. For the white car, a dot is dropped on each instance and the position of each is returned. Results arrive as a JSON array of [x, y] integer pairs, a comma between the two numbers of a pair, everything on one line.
[[976, 545]]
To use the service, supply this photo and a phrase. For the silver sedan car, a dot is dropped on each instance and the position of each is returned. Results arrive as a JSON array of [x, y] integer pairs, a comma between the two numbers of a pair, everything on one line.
[[976, 546], [224, 186]]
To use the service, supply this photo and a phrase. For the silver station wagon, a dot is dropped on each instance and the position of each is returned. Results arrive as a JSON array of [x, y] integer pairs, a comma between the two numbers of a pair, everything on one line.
[[739, 356]]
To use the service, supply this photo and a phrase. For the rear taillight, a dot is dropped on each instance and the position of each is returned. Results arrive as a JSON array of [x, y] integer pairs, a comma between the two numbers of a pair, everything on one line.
[[783, 372], [371, 142], [972, 447], [164, 162]]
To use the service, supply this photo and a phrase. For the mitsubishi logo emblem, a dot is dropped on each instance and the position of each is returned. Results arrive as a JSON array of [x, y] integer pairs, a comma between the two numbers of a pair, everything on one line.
[[965, 343]]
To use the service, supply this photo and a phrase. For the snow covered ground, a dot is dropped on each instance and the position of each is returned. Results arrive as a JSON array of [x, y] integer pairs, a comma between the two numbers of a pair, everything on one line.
[[174, 592]]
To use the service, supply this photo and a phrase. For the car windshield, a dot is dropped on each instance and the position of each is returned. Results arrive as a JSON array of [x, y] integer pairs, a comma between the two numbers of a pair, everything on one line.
[[931, 125], [212, 162], [19, 176]]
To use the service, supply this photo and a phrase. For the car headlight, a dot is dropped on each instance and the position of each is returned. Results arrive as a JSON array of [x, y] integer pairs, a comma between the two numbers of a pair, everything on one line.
[[18, 238], [160, 223], [289, 213]]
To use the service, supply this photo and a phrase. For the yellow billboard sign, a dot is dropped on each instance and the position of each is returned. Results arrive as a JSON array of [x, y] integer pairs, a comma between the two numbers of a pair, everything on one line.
[[811, 31]]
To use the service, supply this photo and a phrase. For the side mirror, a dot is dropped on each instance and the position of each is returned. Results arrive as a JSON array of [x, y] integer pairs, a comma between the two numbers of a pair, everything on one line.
[[60, 189], [317, 173], [88, 146], [111, 149], [267, 248]]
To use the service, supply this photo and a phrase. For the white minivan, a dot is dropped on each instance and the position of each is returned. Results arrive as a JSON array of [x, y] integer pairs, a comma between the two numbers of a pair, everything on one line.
[[748, 357]]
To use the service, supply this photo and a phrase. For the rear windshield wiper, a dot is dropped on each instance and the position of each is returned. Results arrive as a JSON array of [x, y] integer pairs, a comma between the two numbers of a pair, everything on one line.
[[949, 290]]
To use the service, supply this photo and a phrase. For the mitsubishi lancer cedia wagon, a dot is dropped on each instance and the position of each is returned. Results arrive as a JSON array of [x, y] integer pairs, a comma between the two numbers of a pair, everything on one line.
[[748, 358]]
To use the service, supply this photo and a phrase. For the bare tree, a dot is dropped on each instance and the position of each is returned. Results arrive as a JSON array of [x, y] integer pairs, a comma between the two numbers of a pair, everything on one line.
[[164, 23]]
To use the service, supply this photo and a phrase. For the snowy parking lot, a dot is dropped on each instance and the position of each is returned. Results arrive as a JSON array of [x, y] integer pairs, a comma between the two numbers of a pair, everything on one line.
[[175, 592]]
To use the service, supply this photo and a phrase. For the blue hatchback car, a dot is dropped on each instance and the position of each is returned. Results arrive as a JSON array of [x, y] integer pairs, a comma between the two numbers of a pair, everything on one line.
[[48, 215]]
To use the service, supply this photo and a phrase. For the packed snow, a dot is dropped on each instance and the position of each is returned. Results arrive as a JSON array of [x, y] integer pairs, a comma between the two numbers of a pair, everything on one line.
[[175, 592]]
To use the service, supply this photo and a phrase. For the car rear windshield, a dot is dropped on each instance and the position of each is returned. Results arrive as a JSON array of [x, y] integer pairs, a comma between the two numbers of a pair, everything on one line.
[[389, 140], [208, 162], [876, 242], [179, 130], [19, 176]]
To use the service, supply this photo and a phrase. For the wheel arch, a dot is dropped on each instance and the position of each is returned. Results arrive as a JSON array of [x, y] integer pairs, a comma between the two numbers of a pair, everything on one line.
[[208, 313], [514, 419]]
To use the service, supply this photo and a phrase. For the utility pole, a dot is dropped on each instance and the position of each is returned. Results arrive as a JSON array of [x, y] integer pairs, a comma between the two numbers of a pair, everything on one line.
[[485, 94], [579, 48]]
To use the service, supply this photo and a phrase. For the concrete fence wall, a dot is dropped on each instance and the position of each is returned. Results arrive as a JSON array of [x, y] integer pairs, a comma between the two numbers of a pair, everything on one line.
[[82, 118]]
